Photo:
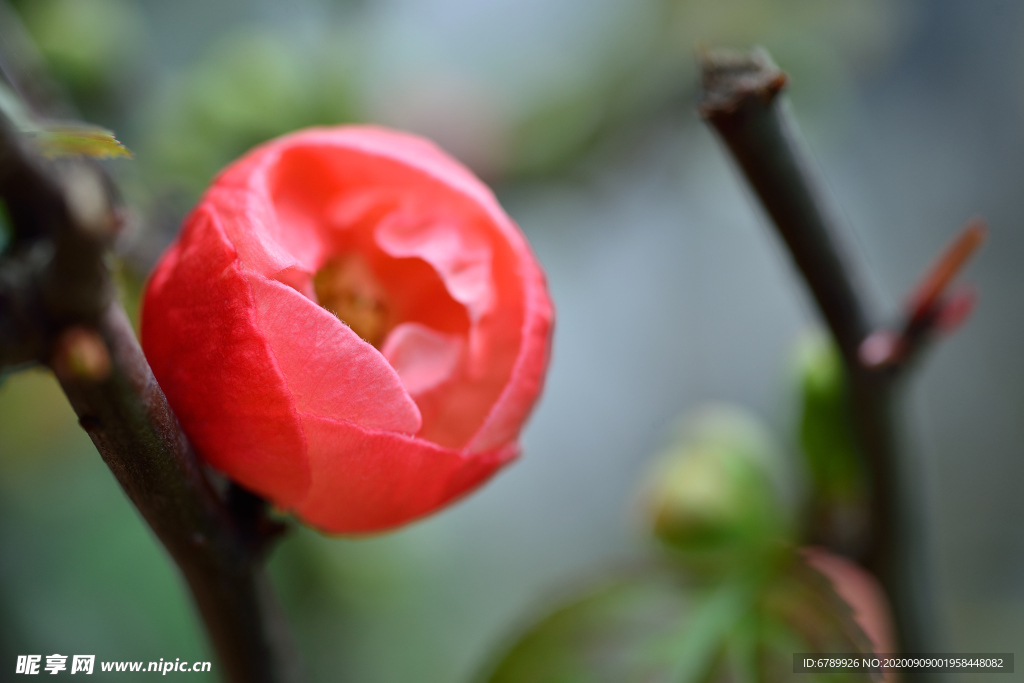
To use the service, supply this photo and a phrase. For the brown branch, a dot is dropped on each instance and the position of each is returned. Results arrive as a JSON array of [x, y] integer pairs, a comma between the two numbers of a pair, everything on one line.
[[742, 102], [57, 307], [128, 419]]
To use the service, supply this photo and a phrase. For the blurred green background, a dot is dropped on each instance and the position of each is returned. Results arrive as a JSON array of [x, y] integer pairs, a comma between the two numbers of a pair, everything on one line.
[[670, 290]]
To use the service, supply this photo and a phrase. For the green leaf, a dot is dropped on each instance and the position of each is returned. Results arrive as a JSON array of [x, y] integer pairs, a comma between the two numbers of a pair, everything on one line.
[[61, 140], [826, 436], [800, 611], [703, 639], [656, 626], [804, 600], [619, 631]]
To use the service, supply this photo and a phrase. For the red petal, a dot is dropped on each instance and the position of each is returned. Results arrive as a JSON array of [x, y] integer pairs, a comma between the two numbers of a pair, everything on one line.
[[366, 481], [524, 386], [460, 256], [330, 371], [422, 357], [200, 334], [265, 244]]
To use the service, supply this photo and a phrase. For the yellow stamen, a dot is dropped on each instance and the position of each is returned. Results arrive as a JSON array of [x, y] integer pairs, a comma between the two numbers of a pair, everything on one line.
[[347, 287]]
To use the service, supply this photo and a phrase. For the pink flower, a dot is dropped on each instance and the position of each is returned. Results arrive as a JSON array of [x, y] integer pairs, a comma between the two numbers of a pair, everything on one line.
[[351, 326]]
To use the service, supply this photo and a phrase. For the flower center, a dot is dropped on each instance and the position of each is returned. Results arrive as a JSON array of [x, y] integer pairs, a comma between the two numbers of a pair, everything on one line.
[[347, 287]]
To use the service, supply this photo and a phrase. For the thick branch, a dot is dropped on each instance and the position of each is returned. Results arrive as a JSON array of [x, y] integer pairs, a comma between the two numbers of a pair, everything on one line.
[[742, 103], [128, 419], [56, 307]]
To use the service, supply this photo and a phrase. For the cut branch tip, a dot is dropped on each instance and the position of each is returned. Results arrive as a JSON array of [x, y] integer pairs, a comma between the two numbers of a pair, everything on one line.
[[731, 78]]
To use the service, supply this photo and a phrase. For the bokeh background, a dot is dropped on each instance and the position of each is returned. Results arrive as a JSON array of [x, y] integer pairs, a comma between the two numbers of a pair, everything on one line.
[[671, 290]]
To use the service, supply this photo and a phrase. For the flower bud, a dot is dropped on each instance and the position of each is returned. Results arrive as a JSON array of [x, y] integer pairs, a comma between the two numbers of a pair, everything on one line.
[[717, 495], [80, 354]]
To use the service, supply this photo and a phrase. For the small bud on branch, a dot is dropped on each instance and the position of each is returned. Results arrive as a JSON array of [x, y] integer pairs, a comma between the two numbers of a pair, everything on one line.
[[930, 306], [81, 354]]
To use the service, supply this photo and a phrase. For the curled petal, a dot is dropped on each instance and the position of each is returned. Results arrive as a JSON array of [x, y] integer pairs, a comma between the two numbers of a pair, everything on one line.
[[368, 481], [202, 338], [422, 357], [524, 386], [330, 371], [462, 259]]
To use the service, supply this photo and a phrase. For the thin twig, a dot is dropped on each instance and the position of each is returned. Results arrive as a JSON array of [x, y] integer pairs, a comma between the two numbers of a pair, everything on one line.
[[930, 308], [57, 307], [742, 102], [926, 295]]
